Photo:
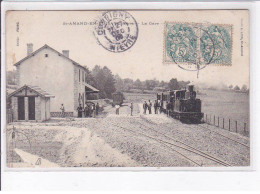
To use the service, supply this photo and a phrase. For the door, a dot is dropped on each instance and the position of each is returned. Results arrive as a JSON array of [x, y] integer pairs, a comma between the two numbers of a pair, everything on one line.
[[31, 108], [21, 108]]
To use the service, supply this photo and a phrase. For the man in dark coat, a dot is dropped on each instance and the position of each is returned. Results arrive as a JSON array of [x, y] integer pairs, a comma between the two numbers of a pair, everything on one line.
[[80, 110], [97, 108], [161, 106], [86, 111], [155, 105], [132, 108], [62, 108], [145, 107], [168, 108], [150, 107]]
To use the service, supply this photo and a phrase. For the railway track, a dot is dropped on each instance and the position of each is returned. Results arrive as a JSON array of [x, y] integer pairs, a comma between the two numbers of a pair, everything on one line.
[[227, 137], [243, 155], [181, 148], [231, 139]]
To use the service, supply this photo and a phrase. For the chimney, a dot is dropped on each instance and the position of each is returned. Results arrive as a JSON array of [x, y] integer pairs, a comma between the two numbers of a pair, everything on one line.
[[66, 53], [29, 48]]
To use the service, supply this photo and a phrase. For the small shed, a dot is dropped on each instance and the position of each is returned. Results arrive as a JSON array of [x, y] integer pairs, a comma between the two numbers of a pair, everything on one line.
[[30, 103]]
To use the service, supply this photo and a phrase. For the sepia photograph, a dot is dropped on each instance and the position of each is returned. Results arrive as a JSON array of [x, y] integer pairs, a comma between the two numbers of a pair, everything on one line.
[[127, 88]]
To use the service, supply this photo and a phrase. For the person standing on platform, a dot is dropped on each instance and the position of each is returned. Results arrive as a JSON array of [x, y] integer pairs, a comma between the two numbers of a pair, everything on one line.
[[131, 107], [168, 108], [90, 110], [145, 107], [155, 105], [62, 108], [161, 106], [97, 108], [150, 107], [94, 110], [86, 110], [117, 109], [80, 110]]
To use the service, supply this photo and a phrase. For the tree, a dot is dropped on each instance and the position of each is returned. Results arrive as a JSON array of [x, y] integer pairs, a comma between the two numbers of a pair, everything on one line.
[[96, 70], [128, 84], [90, 78], [230, 87], [119, 83], [99, 77], [162, 84], [138, 84], [151, 84], [173, 84], [104, 81], [109, 84], [244, 88], [236, 87], [183, 84]]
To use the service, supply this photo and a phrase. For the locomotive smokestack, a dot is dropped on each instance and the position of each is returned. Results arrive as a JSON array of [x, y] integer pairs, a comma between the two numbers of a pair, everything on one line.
[[191, 88]]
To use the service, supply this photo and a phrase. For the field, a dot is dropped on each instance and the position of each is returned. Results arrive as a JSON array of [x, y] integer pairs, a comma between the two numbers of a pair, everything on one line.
[[226, 104]]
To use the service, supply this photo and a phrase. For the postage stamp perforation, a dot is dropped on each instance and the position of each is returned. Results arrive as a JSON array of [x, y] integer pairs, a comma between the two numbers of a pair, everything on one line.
[[226, 29]]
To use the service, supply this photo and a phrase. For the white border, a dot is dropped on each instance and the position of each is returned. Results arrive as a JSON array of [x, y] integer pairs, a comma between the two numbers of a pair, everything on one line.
[[74, 172]]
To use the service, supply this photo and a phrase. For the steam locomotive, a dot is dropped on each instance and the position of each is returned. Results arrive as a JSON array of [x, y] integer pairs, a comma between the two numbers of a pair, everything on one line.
[[181, 104]]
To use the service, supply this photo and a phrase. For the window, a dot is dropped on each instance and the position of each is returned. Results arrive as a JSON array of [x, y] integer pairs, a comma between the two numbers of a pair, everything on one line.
[[46, 55], [79, 75], [82, 76]]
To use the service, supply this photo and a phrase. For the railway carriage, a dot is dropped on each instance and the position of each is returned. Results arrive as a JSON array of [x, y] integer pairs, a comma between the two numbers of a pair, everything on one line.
[[118, 98], [182, 104]]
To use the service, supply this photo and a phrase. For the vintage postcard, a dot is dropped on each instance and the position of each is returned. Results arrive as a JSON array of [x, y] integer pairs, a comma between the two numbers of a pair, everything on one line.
[[127, 88]]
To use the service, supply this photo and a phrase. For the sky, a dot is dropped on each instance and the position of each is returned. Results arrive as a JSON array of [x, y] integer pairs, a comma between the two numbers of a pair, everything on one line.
[[144, 60]]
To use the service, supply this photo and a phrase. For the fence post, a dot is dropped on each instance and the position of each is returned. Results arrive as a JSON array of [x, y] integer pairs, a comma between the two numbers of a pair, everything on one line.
[[244, 127], [236, 126], [223, 123], [214, 120], [229, 124], [206, 119], [218, 121]]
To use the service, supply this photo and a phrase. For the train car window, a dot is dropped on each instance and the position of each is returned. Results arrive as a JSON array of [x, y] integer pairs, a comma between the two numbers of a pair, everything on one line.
[[172, 99]]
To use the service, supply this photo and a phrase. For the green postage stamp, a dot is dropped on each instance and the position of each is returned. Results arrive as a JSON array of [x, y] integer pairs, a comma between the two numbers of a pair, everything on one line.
[[198, 44]]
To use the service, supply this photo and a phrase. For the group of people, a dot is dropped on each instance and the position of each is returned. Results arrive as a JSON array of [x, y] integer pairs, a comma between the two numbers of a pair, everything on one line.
[[131, 108], [90, 110], [148, 106]]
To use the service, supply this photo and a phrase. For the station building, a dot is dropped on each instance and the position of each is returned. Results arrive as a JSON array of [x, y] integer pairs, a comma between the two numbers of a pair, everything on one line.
[[54, 72]]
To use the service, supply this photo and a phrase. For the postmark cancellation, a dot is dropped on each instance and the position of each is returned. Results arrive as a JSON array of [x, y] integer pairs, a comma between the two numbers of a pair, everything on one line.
[[116, 31]]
